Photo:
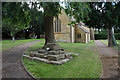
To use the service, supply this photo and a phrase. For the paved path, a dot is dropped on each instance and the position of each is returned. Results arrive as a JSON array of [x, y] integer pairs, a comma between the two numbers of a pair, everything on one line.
[[109, 58], [11, 62]]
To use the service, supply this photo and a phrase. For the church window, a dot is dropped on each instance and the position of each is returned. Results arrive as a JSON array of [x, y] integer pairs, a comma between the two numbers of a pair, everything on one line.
[[79, 35], [57, 25]]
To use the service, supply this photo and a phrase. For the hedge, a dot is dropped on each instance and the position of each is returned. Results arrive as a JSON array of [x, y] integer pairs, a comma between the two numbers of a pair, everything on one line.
[[104, 36]]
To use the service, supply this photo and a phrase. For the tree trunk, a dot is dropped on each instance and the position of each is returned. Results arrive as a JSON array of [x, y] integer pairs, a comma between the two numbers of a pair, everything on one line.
[[110, 38], [114, 40], [13, 38], [38, 35], [49, 34]]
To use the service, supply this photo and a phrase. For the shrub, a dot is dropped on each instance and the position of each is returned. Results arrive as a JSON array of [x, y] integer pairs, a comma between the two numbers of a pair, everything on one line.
[[117, 36], [100, 36]]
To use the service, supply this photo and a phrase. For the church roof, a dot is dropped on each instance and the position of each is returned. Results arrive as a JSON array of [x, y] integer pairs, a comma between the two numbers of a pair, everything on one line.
[[81, 25], [84, 28]]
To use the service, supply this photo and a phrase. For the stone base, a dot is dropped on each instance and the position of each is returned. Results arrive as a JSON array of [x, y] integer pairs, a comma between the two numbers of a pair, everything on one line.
[[51, 46], [48, 61], [52, 56]]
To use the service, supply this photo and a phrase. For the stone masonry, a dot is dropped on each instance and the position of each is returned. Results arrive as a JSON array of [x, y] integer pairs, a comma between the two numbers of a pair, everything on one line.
[[50, 56]]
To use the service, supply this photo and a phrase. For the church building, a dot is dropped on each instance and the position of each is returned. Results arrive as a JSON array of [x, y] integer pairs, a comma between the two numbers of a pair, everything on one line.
[[77, 33]]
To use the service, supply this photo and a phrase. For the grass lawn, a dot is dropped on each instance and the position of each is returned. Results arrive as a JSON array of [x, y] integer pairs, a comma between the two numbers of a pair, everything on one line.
[[0, 46], [106, 43], [7, 44], [119, 42], [86, 65]]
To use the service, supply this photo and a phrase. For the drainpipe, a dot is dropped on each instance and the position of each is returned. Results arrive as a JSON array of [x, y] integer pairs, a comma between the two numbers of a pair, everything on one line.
[[86, 37], [70, 34]]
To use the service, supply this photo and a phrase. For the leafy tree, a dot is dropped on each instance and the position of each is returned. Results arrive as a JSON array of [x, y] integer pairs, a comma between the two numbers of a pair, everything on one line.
[[94, 17], [51, 9], [37, 19], [15, 17], [99, 15], [78, 10], [106, 16]]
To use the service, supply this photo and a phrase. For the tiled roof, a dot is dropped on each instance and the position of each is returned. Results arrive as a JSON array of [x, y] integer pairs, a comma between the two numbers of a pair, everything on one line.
[[84, 28]]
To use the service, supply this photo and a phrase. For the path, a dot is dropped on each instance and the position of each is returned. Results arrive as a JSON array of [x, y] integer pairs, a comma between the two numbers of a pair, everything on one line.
[[11, 62], [109, 58]]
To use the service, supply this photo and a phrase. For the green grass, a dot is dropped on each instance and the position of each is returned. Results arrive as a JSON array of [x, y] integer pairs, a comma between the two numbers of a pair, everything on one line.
[[7, 44], [106, 43], [0, 46], [86, 65], [119, 42]]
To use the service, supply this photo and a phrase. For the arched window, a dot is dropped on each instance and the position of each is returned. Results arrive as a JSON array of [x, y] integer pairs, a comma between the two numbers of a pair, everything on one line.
[[57, 25]]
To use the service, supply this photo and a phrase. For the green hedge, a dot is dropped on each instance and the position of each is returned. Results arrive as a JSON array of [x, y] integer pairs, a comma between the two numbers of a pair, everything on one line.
[[117, 36], [100, 36], [104, 36]]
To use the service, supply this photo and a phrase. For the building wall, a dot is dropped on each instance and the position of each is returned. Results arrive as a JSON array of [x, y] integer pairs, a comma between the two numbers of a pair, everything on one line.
[[64, 35], [88, 37], [83, 35], [72, 34], [69, 33], [92, 33]]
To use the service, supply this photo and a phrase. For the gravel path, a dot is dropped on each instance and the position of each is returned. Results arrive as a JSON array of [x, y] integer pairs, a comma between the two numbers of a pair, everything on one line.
[[109, 58], [11, 62]]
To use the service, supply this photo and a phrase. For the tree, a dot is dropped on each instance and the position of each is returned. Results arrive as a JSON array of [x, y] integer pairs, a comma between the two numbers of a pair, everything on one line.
[[37, 19], [99, 15], [78, 10], [15, 17], [51, 9], [109, 13]]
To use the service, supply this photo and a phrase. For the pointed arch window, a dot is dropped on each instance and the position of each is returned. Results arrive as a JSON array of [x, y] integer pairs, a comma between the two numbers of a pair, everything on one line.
[[57, 25]]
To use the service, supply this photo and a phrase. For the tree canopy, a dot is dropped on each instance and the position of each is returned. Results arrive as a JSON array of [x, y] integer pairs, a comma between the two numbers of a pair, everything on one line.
[[78, 10], [15, 17]]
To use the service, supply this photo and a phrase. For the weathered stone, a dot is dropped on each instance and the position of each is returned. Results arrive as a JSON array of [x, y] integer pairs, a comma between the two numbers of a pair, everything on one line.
[[53, 52], [42, 51], [46, 60], [76, 54], [52, 56], [41, 59], [37, 54], [59, 62], [68, 55], [61, 52], [52, 46], [32, 54], [41, 55], [26, 56], [56, 57], [56, 62], [65, 60], [47, 49], [46, 53]]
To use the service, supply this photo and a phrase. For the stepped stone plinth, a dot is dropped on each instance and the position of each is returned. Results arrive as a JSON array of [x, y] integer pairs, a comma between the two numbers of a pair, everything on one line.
[[50, 56]]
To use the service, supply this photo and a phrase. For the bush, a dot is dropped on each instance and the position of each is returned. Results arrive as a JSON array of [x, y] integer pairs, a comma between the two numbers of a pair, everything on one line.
[[117, 36], [100, 36], [104, 36]]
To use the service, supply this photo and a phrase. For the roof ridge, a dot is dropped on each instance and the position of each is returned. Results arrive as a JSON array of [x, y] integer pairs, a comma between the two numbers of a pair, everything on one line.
[[83, 28]]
